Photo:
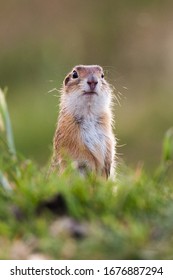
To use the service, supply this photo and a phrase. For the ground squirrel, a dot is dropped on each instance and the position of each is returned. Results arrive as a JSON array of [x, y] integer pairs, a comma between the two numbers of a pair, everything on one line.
[[84, 129]]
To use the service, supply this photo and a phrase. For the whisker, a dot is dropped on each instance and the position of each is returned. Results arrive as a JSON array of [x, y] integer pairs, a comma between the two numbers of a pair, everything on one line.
[[54, 89]]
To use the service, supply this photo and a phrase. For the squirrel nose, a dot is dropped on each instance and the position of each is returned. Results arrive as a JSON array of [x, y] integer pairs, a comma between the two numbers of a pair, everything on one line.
[[92, 82]]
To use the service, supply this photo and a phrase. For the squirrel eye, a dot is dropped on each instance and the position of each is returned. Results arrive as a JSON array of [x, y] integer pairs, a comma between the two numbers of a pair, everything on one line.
[[75, 75], [102, 75]]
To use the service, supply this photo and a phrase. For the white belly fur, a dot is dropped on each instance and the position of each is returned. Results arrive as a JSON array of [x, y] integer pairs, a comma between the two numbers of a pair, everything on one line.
[[94, 137]]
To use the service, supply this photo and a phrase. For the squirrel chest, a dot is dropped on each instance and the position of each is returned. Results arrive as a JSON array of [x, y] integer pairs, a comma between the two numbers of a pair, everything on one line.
[[94, 137]]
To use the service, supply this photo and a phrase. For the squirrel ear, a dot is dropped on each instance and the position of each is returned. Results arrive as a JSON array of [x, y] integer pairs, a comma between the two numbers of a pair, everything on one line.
[[66, 80]]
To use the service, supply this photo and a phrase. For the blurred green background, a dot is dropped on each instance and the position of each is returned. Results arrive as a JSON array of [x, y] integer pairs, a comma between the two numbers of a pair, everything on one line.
[[40, 41]]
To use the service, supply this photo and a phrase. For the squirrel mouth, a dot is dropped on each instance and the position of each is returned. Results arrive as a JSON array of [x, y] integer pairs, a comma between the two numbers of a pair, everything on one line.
[[90, 93]]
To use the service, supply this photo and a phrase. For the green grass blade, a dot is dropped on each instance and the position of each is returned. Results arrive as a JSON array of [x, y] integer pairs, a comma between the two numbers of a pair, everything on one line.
[[6, 123], [168, 146]]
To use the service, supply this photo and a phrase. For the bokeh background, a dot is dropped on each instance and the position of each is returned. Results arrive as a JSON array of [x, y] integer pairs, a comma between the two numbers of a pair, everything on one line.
[[40, 41]]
